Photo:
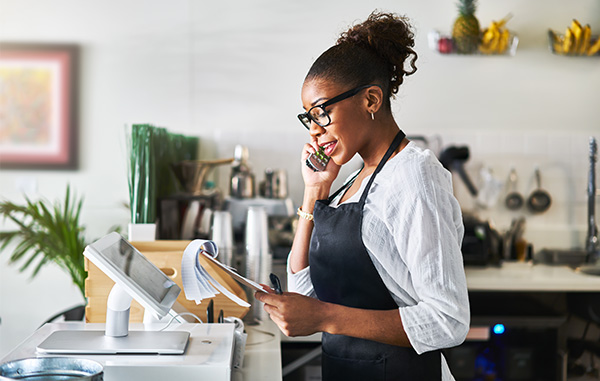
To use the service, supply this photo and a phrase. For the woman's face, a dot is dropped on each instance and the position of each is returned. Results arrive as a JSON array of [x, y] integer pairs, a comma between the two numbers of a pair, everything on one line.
[[347, 132]]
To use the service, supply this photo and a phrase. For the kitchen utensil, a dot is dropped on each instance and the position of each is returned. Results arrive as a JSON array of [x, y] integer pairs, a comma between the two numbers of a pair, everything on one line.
[[275, 184], [192, 173], [276, 284], [453, 159], [222, 235], [514, 200], [539, 200], [210, 312], [592, 242], [512, 235], [242, 179], [52, 368]]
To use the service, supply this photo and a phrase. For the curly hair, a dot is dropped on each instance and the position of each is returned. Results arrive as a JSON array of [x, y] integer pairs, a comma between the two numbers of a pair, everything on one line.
[[377, 51]]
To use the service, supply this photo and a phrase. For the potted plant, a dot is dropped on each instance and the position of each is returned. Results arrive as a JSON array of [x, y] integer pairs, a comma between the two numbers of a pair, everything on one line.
[[46, 233]]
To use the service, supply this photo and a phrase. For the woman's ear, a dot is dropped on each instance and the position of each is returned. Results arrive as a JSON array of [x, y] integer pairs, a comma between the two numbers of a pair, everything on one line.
[[373, 99]]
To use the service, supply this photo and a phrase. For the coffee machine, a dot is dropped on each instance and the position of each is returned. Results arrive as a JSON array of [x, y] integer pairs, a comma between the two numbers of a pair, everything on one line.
[[272, 196]]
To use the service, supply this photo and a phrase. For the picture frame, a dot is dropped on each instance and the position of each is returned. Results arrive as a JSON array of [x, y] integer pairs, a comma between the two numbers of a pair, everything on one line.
[[38, 106]]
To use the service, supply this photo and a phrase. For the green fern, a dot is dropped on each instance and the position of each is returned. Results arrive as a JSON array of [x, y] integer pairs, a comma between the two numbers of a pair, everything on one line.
[[47, 233]]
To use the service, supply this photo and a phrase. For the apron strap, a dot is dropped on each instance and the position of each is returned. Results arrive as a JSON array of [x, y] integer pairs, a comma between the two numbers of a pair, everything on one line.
[[346, 185], [395, 144]]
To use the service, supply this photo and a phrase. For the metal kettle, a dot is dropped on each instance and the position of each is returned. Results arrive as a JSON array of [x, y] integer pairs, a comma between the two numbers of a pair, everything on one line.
[[242, 178]]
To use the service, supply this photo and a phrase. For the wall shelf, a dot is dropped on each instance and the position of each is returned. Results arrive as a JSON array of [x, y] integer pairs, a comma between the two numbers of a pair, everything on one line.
[[444, 44]]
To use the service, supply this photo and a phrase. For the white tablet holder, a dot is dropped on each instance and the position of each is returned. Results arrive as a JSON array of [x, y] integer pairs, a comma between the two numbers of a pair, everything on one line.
[[135, 277], [118, 307], [117, 312]]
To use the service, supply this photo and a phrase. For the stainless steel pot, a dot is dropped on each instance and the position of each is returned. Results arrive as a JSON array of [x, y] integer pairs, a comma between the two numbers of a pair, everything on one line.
[[514, 200], [539, 200], [242, 178], [275, 184], [52, 369]]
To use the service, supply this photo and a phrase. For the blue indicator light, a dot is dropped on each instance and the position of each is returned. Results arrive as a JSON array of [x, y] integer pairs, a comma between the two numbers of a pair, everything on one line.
[[498, 329]]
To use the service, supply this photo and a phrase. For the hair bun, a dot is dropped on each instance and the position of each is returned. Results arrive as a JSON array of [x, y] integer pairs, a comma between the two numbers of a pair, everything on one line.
[[390, 37]]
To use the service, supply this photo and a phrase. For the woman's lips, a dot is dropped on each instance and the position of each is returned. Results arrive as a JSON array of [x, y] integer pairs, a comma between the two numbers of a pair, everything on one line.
[[329, 147]]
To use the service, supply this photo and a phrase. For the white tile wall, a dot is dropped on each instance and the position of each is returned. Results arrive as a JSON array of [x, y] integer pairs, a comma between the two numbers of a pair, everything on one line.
[[563, 162]]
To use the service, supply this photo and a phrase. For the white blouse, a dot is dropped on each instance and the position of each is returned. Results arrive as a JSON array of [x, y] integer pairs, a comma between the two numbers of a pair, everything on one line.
[[412, 229]]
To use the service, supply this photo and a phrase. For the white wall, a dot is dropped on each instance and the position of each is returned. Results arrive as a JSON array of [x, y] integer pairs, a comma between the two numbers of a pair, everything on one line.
[[230, 72]]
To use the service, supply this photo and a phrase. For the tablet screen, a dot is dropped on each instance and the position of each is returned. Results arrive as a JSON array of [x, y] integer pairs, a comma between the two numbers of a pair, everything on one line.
[[141, 271]]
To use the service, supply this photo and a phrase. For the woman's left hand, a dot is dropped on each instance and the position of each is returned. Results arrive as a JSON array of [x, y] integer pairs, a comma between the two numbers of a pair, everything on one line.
[[294, 314]]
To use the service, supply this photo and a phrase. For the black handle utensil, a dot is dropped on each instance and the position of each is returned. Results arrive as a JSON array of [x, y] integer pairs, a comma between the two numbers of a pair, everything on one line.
[[210, 312], [276, 284]]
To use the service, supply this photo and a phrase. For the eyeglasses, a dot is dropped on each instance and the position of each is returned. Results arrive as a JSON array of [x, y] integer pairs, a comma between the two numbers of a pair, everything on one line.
[[319, 115]]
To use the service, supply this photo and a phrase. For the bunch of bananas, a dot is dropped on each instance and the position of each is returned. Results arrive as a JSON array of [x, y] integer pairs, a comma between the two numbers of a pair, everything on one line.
[[576, 41], [495, 38]]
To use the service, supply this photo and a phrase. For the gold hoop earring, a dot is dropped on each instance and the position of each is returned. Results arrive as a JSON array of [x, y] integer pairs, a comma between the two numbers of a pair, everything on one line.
[[372, 116]]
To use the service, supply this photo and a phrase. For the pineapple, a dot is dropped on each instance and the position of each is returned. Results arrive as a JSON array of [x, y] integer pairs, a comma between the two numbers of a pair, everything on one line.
[[466, 33]]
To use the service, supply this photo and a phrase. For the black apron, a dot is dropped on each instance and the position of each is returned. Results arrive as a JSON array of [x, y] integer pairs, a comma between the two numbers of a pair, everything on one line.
[[342, 273]]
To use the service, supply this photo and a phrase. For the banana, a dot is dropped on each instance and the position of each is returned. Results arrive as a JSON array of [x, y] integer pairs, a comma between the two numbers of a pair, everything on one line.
[[585, 40], [577, 40], [503, 22], [486, 40], [556, 41], [495, 37], [503, 43], [577, 31], [594, 48], [489, 33], [489, 40], [569, 41]]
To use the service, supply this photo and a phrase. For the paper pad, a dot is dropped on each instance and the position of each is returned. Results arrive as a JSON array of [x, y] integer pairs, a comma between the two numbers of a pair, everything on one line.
[[198, 284]]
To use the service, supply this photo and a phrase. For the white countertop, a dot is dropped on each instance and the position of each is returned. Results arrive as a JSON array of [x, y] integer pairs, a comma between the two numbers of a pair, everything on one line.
[[525, 276], [262, 359]]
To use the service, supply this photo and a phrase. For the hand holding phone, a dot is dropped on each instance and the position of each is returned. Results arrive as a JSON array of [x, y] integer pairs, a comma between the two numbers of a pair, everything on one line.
[[317, 161]]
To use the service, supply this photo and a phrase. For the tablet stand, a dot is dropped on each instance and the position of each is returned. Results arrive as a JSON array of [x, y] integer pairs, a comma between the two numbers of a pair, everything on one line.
[[117, 312]]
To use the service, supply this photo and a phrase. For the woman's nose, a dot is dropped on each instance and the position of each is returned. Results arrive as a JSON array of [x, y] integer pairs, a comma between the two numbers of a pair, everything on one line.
[[315, 130]]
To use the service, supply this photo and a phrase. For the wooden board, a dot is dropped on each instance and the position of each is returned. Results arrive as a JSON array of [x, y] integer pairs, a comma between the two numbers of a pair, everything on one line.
[[166, 255]]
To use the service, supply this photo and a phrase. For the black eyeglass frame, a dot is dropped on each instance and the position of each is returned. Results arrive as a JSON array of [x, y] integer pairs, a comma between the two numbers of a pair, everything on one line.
[[306, 116]]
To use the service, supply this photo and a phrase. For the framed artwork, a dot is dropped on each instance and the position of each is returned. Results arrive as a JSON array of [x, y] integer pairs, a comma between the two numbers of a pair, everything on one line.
[[38, 106]]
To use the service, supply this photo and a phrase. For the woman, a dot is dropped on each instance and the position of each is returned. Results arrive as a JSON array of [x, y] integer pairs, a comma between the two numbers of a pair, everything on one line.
[[377, 266]]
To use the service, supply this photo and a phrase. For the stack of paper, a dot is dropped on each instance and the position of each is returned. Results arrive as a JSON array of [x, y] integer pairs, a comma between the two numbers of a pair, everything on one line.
[[198, 284]]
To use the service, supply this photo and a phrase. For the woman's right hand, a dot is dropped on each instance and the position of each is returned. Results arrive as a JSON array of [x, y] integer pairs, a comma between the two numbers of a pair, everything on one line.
[[317, 180]]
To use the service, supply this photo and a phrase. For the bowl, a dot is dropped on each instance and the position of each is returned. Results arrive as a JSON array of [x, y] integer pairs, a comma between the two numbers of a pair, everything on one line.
[[52, 369], [556, 45]]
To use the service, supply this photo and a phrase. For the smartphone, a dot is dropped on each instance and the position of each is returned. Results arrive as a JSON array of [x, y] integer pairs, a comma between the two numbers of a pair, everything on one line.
[[317, 161]]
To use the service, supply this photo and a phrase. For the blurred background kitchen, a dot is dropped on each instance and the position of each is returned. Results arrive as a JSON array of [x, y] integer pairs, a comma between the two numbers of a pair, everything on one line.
[[230, 73]]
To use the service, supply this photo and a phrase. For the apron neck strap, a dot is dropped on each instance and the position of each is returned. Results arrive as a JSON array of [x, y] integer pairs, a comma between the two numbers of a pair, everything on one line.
[[395, 144]]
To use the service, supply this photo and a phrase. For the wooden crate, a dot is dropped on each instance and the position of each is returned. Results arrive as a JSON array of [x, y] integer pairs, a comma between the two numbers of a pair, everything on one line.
[[166, 255]]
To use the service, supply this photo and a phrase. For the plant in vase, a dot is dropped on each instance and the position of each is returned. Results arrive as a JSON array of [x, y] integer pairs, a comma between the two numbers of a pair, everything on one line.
[[152, 151], [47, 233]]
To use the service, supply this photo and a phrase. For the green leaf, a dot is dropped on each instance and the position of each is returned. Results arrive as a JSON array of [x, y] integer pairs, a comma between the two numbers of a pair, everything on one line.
[[47, 232]]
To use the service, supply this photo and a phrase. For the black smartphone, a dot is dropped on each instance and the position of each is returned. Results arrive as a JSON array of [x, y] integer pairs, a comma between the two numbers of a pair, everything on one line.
[[317, 161]]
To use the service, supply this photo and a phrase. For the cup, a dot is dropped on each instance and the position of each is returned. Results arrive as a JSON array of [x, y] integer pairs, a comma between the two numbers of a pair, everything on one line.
[[257, 232], [222, 235], [258, 257]]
